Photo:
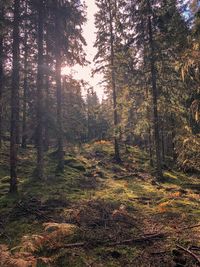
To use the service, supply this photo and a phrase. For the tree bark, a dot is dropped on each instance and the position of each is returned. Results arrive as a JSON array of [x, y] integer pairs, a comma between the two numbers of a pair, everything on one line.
[[58, 49], [159, 174], [25, 89], [173, 136], [40, 76], [1, 75], [47, 85], [18, 98], [162, 141], [113, 81], [14, 99], [148, 115], [150, 146]]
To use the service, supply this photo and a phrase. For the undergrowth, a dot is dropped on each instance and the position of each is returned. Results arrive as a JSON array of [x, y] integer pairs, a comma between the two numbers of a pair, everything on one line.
[[72, 219]]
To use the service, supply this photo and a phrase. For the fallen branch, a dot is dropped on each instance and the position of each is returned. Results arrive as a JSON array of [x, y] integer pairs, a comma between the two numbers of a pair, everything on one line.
[[190, 253], [146, 238], [194, 248]]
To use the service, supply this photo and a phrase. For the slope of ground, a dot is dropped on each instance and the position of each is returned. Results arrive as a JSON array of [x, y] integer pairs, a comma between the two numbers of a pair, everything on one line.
[[98, 213]]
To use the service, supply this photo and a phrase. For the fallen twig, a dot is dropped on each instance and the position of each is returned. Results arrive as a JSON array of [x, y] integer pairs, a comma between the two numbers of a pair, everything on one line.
[[75, 245], [190, 253], [194, 248], [146, 238], [189, 227]]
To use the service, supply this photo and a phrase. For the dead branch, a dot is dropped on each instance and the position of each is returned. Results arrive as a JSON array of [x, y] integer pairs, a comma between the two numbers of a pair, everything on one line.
[[190, 253], [146, 238]]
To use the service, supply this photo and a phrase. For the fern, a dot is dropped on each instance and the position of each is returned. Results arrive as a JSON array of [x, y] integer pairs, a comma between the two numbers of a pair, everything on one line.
[[25, 254]]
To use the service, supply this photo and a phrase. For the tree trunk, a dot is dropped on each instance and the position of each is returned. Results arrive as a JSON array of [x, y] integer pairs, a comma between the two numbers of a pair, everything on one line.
[[163, 142], [173, 136], [159, 174], [14, 99], [18, 98], [88, 116], [25, 89], [1, 75], [58, 49], [150, 146], [47, 85], [148, 115], [113, 81], [40, 76]]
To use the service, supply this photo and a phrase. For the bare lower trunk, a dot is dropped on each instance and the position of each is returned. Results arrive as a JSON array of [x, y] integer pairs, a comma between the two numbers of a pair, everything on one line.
[[25, 88], [47, 85], [40, 153], [150, 147], [14, 100], [148, 115], [24, 115], [173, 135], [163, 142], [154, 95], [46, 125], [59, 117]]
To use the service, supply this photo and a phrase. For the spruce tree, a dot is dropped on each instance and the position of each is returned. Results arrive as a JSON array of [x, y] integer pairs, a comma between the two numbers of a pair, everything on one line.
[[1, 68], [14, 127], [106, 56], [40, 88]]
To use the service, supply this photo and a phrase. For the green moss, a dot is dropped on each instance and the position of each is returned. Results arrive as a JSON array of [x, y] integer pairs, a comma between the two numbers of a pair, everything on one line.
[[66, 259], [128, 184], [117, 256], [5, 179], [19, 228]]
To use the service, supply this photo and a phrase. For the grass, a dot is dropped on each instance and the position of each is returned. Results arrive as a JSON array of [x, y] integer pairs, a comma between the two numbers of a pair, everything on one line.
[[93, 187]]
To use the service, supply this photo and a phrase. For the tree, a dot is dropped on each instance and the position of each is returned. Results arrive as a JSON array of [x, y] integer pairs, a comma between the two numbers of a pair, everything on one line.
[[14, 99], [93, 115], [74, 111], [47, 86], [69, 18], [1, 68], [154, 93], [152, 34], [105, 43], [40, 85], [91, 102], [58, 57], [25, 84]]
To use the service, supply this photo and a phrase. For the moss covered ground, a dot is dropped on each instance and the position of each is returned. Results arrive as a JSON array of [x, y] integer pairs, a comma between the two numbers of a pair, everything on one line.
[[107, 203]]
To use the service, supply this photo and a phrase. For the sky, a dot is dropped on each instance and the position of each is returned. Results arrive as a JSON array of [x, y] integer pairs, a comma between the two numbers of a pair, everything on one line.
[[84, 73]]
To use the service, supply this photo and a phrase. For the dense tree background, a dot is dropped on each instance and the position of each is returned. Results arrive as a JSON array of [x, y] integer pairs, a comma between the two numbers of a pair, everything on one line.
[[148, 52]]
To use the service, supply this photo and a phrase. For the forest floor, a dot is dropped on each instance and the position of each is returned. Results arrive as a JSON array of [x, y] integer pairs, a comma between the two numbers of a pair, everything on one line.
[[98, 213]]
